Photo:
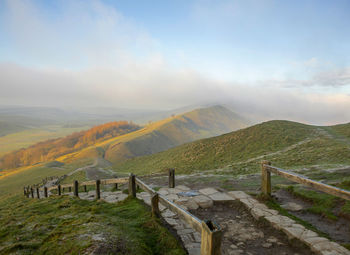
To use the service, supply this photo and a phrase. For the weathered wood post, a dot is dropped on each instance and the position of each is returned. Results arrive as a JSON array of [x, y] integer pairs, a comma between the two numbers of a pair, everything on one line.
[[85, 190], [265, 178], [32, 192], [132, 185], [45, 191], [171, 178], [211, 238], [37, 193], [69, 189], [76, 188], [155, 205], [98, 191], [27, 191], [59, 190], [116, 184]]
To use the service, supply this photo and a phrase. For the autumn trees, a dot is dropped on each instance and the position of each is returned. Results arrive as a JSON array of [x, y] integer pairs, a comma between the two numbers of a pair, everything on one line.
[[51, 149]]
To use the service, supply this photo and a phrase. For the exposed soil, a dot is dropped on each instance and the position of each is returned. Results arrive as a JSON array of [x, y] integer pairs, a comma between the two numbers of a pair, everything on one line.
[[94, 173], [338, 230], [244, 235]]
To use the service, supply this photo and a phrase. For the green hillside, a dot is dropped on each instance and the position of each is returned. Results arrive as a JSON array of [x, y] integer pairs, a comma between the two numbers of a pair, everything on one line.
[[287, 144], [164, 134]]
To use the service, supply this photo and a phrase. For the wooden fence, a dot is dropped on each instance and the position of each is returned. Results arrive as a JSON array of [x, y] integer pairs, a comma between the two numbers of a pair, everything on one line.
[[267, 169], [211, 233]]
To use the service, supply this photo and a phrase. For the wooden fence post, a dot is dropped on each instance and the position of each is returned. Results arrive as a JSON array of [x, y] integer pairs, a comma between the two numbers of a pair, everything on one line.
[[59, 190], [171, 178], [27, 191], [116, 186], [155, 205], [45, 191], [76, 188], [85, 190], [265, 178], [37, 193], [32, 192], [69, 189], [211, 238], [98, 191], [132, 185]]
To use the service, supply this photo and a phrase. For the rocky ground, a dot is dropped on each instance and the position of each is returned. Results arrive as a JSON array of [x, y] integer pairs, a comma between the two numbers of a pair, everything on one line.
[[338, 230], [237, 213]]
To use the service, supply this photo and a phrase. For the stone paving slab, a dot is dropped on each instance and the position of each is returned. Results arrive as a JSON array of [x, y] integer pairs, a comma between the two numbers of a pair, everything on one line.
[[220, 197], [207, 191], [207, 198], [293, 230]]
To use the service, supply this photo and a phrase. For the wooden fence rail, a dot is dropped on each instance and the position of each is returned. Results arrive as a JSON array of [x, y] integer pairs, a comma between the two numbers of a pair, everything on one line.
[[266, 169], [210, 231]]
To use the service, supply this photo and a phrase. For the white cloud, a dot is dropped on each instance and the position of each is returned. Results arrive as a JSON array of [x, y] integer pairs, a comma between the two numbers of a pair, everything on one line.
[[78, 34], [94, 56], [159, 87]]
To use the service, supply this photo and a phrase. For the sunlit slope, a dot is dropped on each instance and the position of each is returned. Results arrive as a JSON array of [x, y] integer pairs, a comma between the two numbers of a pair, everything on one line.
[[283, 142], [165, 134]]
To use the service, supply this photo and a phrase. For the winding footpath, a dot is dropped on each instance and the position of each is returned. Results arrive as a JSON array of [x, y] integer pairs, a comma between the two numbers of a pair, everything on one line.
[[249, 227]]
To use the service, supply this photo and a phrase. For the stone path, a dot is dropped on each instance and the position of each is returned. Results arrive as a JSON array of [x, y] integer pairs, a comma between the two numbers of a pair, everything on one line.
[[317, 244], [238, 232]]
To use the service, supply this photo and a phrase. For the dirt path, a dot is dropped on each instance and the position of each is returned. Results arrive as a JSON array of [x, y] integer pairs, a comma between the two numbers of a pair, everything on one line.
[[96, 170], [244, 235], [338, 230]]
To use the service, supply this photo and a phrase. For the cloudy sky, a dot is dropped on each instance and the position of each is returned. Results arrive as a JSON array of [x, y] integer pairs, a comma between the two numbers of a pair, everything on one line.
[[267, 59]]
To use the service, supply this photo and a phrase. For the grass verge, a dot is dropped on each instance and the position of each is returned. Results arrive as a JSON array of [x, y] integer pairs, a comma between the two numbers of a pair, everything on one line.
[[65, 225]]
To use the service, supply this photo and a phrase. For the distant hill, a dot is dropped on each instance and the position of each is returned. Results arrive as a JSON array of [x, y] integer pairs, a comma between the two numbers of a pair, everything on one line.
[[285, 143], [130, 141], [164, 134], [51, 149]]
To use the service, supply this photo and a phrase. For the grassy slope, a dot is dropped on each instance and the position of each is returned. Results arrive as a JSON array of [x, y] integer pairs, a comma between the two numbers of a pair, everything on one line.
[[163, 135], [25, 138], [63, 225], [224, 150], [16, 180], [342, 129]]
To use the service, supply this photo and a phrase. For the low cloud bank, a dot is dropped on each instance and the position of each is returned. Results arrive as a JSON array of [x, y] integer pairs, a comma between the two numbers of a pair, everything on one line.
[[158, 87]]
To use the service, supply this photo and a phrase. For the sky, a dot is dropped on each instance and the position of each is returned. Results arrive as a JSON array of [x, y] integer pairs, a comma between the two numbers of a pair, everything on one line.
[[266, 59]]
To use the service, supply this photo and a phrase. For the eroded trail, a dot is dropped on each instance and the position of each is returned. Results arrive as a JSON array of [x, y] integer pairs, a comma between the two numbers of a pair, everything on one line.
[[244, 235], [338, 230]]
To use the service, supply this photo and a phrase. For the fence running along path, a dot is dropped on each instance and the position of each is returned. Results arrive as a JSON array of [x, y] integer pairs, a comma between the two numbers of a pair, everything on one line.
[[211, 232], [267, 169]]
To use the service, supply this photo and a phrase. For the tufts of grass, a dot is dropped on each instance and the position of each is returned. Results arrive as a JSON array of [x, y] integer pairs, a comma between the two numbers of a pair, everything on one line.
[[65, 225], [323, 204], [272, 204]]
